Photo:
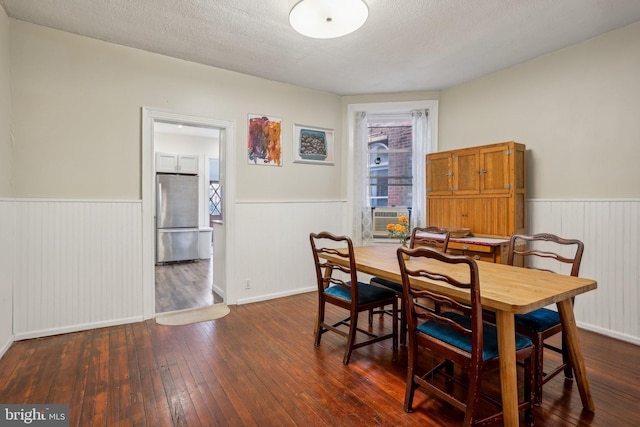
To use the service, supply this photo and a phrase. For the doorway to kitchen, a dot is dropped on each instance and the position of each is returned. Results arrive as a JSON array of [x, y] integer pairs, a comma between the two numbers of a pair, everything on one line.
[[201, 281], [184, 256]]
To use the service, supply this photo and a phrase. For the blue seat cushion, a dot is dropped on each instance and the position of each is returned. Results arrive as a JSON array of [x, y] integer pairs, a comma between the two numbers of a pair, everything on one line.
[[387, 283], [366, 293], [463, 342], [539, 320]]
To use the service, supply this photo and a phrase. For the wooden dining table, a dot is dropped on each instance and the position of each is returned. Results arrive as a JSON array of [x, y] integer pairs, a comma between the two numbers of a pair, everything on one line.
[[507, 290]]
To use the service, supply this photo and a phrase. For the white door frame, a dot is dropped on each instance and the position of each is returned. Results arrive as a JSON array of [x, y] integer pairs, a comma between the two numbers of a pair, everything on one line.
[[227, 180]]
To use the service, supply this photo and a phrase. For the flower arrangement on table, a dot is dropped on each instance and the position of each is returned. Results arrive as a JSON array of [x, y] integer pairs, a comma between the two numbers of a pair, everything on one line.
[[401, 230]]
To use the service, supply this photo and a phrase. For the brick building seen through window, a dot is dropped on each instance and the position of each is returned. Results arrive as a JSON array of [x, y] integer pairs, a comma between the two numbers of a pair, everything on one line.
[[390, 158]]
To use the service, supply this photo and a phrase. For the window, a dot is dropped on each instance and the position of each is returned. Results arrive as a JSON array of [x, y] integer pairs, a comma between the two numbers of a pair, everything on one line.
[[385, 168], [390, 154], [215, 202], [215, 192], [378, 173]]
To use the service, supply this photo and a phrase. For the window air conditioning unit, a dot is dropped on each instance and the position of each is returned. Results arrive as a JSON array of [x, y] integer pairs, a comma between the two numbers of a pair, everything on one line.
[[385, 216]]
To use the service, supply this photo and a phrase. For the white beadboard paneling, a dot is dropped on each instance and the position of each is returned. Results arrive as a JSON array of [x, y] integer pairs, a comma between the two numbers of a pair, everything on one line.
[[611, 234], [274, 252], [78, 265]]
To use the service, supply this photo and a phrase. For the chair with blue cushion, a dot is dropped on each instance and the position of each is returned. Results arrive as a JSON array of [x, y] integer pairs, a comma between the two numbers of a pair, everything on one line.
[[546, 252], [433, 237], [457, 335], [338, 285]]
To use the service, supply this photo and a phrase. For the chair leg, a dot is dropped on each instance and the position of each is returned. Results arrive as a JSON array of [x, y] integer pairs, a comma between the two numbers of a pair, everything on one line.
[[319, 322], [529, 384], [411, 385], [473, 398], [395, 328], [539, 369], [568, 370], [353, 328], [403, 323]]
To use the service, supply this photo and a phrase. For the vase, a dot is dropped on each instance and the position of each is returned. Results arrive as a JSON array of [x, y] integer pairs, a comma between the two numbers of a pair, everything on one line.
[[404, 246]]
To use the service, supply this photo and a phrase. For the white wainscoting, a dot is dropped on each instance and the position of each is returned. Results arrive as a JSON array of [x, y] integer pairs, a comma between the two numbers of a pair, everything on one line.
[[610, 230], [78, 265], [273, 251]]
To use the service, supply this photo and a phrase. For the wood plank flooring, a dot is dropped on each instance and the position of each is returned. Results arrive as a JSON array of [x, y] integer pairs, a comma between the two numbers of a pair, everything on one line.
[[258, 367], [184, 285]]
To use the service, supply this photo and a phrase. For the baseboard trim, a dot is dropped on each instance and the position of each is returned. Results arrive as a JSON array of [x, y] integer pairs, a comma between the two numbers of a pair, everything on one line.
[[6, 346], [276, 295], [77, 328], [218, 290], [609, 333]]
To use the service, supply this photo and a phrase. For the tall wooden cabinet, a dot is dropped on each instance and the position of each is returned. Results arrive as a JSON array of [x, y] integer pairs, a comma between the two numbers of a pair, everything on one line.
[[481, 188]]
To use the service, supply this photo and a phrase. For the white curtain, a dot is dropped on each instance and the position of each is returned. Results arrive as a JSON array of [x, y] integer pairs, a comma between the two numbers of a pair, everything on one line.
[[362, 230], [421, 146]]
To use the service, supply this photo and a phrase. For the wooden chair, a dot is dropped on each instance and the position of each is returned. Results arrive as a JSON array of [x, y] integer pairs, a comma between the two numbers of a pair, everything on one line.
[[437, 238], [434, 237], [543, 323], [353, 296], [457, 335]]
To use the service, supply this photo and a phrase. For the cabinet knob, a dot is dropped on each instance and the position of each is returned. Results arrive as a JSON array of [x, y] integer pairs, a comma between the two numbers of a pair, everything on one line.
[[476, 257], [465, 247], [482, 171]]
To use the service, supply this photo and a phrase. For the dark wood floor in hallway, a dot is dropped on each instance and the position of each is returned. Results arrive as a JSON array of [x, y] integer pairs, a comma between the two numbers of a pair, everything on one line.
[[258, 367]]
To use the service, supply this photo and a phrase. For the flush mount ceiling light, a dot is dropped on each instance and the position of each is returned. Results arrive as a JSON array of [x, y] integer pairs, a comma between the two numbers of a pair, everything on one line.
[[327, 19]]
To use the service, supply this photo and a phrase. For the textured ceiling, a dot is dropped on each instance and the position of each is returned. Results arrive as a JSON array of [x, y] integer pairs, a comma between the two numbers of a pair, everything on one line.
[[406, 45]]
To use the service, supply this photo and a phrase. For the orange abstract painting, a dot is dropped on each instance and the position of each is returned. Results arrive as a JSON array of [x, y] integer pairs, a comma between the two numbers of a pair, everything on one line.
[[265, 142]]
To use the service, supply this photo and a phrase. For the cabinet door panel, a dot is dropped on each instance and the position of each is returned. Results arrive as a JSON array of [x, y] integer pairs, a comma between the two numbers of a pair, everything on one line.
[[494, 216], [188, 163], [465, 215], [494, 171], [488, 216], [440, 213], [439, 174], [466, 179], [166, 162]]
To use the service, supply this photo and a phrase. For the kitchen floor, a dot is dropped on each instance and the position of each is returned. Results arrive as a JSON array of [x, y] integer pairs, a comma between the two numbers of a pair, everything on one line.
[[185, 285]]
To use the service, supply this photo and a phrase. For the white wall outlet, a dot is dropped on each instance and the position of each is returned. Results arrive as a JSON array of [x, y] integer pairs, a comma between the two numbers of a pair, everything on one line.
[[247, 285]]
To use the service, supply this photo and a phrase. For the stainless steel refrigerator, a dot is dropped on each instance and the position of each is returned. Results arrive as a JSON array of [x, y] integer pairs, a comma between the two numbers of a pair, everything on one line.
[[176, 217]]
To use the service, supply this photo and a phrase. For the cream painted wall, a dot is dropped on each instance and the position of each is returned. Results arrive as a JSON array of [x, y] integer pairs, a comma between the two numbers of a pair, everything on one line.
[[577, 110], [5, 108], [7, 233], [76, 106]]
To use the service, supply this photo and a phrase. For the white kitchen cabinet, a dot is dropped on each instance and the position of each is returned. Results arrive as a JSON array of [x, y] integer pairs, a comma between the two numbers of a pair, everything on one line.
[[177, 163]]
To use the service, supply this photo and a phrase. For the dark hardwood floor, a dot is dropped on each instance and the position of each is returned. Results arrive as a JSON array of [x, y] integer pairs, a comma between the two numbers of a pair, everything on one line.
[[258, 367], [184, 285]]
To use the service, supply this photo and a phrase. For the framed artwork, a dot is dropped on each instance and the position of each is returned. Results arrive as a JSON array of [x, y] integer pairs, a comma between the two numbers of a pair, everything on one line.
[[264, 146], [312, 145]]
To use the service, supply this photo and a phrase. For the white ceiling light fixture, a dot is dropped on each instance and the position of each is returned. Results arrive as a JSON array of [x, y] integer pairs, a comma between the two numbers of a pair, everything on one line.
[[327, 19]]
